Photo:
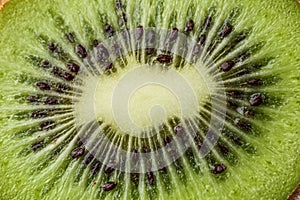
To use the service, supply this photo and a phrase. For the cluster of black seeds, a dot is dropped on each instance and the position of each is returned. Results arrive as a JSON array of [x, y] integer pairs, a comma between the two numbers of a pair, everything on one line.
[[241, 103]]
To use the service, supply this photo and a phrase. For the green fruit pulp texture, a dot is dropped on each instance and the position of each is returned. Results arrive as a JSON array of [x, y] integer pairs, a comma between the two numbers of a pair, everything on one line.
[[258, 154]]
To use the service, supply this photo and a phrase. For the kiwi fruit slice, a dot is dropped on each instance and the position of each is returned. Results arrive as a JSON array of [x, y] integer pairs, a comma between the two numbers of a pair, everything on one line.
[[125, 99]]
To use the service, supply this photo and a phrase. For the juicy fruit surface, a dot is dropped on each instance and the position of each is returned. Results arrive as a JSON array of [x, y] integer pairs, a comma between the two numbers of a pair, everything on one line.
[[269, 170]]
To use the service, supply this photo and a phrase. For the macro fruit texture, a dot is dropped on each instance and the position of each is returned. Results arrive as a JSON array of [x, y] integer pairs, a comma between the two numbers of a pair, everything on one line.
[[149, 99]]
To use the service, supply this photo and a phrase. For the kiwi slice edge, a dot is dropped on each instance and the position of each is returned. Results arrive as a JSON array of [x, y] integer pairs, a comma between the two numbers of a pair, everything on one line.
[[14, 26]]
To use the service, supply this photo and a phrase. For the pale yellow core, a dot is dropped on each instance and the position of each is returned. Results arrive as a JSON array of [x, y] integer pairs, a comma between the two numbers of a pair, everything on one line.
[[140, 97]]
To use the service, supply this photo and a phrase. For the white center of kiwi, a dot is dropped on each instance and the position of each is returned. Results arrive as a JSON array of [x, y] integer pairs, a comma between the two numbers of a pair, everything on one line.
[[139, 98]]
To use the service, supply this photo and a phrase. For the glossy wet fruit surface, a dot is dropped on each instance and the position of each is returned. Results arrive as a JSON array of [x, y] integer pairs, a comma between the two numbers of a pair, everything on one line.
[[149, 100]]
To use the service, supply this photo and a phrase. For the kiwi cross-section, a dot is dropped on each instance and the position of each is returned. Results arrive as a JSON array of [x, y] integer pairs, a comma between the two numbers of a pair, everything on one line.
[[126, 99]]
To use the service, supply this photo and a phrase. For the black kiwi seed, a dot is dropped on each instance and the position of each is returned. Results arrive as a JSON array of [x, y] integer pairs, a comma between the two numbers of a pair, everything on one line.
[[108, 66], [223, 149], [150, 178], [96, 168], [189, 26], [81, 141], [119, 5], [43, 85], [46, 64], [134, 177], [51, 101], [73, 67], [81, 51], [167, 140], [162, 58], [39, 114], [56, 71], [172, 35], [95, 43], [242, 124], [218, 168], [46, 125], [231, 104], [108, 186], [249, 113], [110, 167], [163, 170], [178, 129], [139, 32], [225, 67], [245, 111], [226, 30], [255, 82], [199, 143], [256, 99], [37, 146], [53, 47], [67, 76], [235, 93], [70, 37], [109, 30], [61, 87], [76, 153], [88, 159]]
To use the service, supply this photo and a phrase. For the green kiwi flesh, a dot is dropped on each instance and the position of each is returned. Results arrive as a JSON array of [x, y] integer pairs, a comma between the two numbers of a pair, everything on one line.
[[48, 83]]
